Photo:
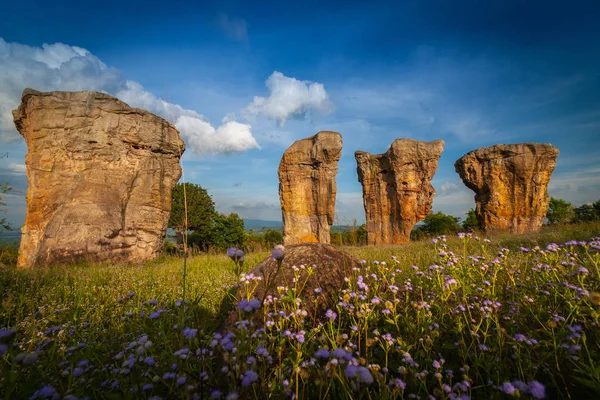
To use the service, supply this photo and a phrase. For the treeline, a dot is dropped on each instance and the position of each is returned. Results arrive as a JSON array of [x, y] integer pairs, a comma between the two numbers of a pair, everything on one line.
[[561, 212]]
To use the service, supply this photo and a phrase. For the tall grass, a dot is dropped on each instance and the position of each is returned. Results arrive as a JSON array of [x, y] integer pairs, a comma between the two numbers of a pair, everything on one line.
[[458, 318]]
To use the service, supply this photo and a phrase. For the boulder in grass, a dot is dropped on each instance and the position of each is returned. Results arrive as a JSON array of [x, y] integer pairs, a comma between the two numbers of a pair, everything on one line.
[[317, 289]]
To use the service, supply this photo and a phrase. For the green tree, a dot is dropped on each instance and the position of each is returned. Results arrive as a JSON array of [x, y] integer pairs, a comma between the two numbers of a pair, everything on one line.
[[436, 224], [559, 212], [4, 224], [200, 210], [228, 231], [471, 223], [361, 235], [272, 238], [587, 213]]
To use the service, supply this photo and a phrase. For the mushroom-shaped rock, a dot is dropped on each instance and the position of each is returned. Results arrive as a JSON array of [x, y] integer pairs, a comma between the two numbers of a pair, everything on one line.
[[100, 178], [510, 182], [316, 265], [307, 187], [397, 190]]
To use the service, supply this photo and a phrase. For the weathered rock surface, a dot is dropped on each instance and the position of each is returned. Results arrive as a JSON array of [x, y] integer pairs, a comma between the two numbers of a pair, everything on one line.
[[510, 182], [307, 187], [100, 178], [329, 265], [397, 190]]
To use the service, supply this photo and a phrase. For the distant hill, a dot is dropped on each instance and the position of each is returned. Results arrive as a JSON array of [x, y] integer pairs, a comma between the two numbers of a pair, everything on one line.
[[261, 223]]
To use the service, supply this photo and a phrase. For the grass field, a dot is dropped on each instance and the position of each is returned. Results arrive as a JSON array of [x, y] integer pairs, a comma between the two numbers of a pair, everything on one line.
[[468, 317]]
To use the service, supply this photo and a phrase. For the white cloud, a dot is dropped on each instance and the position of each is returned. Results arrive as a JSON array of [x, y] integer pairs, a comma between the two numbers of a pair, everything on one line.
[[290, 98], [448, 188], [62, 67], [236, 28], [17, 168], [229, 137]]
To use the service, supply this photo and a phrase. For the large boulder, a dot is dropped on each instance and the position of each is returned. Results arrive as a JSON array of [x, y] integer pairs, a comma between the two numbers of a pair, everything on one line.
[[307, 187], [397, 190], [510, 182], [100, 178], [329, 268]]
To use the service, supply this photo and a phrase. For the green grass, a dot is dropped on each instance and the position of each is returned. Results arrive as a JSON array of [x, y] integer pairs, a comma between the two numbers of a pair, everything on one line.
[[397, 337]]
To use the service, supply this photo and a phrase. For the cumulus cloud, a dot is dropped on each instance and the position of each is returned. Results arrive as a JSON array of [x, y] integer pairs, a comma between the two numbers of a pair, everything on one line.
[[229, 137], [290, 98], [62, 67]]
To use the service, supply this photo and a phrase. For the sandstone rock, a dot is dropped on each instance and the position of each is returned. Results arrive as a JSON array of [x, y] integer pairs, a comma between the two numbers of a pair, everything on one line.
[[329, 265], [510, 182], [397, 190], [307, 187], [100, 178]]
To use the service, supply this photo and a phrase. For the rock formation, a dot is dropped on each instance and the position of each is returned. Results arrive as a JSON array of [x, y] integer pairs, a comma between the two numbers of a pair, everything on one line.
[[510, 182], [397, 190], [307, 187], [330, 267], [100, 178]]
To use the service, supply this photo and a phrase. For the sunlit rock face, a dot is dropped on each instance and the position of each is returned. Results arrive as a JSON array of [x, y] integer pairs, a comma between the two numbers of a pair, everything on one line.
[[100, 178], [397, 190], [510, 182], [307, 188]]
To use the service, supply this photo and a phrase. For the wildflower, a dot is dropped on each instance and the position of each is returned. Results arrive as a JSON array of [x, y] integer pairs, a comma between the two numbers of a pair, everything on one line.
[[181, 380], [364, 375], [508, 388], [261, 351], [322, 353], [77, 372], [215, 394], [450, 282], [519, 337], [278, 252], [46, 392], [436, 364], [537, 390], [232, 396], [149, 361], [26, 358], [330, 314], [152, 302], [249, 378], [350, 371], [6, 335], [189, 333], [147, 386], [3, 349]]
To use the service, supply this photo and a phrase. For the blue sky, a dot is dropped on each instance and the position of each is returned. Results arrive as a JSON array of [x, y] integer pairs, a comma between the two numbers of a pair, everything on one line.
[[245, 79]]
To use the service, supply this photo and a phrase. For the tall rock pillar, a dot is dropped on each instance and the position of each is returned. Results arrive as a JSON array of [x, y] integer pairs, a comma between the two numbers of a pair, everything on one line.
[[307, 188], [397, 190], [510, 182]]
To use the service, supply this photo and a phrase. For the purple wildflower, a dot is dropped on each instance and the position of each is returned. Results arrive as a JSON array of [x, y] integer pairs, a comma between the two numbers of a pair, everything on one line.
[[508, 388], [322, 353], [278, 252], [364, 375], [330, 314], [189, 333], [249, 378], [537, 390]]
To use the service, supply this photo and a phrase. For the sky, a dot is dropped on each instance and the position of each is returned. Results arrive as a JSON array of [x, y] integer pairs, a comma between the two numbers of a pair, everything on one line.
[[242, 80]]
